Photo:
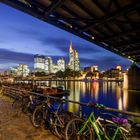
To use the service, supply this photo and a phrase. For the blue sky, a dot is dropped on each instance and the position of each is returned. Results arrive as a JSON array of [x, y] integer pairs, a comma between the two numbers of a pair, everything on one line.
[[22, 36]]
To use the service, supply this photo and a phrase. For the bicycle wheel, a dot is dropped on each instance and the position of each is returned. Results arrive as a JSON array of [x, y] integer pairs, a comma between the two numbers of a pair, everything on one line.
[[111, 130], [60, 124], [37, 116], [74, 126]]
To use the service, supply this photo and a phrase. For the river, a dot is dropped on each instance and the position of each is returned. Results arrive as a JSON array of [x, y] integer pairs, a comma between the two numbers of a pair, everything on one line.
[[110, 94]]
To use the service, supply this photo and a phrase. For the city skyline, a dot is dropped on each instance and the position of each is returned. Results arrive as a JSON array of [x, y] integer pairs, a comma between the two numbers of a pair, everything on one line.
[[46, 64], [21, 39]]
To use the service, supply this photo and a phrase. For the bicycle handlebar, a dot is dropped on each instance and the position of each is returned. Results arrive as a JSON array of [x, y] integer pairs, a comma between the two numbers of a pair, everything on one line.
[[95, 105]]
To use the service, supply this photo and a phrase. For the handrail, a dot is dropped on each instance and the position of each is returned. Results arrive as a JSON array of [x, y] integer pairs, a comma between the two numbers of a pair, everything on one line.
[[80, 103]]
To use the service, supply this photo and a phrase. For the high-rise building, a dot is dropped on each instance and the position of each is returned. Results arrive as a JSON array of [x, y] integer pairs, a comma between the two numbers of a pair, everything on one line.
[[48, 65], [61, 64], [55, 68], [43, 64], [94, 68], [13, 71], [39, 63], [74, 63], [91, 69], [21, 70]]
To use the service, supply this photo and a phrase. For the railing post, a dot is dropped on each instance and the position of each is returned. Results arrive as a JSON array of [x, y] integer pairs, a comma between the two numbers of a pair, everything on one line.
[[80, 111]]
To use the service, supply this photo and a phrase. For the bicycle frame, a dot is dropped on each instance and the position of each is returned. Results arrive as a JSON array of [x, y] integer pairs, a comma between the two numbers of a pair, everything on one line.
[[99, 130], [50, 111]]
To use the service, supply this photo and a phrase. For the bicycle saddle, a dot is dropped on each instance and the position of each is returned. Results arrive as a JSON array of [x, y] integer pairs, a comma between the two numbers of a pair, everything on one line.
[[119, 120]]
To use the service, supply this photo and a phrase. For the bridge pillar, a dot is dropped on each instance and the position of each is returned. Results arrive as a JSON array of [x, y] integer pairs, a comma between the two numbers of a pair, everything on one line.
[[134, 77]]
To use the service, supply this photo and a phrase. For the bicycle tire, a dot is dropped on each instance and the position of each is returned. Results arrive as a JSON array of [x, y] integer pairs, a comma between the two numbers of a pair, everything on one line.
[[60, 124], [37, 116], [110, 131], [73, 128]]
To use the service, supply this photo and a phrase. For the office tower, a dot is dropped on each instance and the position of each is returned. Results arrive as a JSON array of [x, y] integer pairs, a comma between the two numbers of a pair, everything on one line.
[[74, 63], [39, 63], [61, 64]]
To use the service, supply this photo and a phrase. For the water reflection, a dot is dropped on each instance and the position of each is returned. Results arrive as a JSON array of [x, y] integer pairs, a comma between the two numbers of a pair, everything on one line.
[[111, 94], [125, 99], [74, 96], [95, 90]]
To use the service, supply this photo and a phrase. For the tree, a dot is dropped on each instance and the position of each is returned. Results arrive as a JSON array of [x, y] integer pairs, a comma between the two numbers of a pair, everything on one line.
[[40, 74], [68, 72], [90, 74], [59, 74]]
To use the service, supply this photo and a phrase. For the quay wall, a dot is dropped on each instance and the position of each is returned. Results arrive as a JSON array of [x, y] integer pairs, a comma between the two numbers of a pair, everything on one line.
[[134, 77]]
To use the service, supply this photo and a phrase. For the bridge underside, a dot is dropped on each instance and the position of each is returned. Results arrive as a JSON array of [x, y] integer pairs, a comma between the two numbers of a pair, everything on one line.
[[111, 24]]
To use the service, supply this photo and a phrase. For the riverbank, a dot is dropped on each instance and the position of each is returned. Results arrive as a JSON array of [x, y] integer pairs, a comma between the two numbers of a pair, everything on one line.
[[17, 126]]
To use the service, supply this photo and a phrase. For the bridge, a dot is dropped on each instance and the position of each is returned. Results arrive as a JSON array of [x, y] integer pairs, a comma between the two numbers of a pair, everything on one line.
[[111, 24]]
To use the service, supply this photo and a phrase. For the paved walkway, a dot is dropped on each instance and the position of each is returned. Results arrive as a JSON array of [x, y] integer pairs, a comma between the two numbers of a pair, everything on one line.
[[17, 126]]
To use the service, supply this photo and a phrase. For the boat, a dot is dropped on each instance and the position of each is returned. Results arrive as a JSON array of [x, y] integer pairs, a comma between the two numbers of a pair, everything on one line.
[[55, 91], [52, 91]]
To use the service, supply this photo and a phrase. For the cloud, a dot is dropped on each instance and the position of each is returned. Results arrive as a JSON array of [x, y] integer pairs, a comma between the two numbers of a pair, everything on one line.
[[26, 31], [55, 41], [62, 44], [22, 35], [104, 62], [9, 58], [2, 40], [84, 48]]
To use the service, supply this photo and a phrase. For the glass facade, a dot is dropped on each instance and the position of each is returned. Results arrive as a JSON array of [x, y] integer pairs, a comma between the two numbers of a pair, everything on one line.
[[74, 63]]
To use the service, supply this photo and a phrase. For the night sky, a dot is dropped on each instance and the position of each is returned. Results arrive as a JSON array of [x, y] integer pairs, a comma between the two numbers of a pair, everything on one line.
[[22, 36]]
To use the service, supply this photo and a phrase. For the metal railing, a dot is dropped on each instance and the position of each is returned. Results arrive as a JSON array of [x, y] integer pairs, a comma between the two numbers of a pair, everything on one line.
[[18, 92]]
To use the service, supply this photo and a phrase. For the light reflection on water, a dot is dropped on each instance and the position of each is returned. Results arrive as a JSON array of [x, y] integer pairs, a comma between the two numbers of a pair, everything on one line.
[[111, 94]]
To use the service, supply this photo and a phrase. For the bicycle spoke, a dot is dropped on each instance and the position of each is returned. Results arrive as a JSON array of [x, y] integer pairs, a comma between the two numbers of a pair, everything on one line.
[[73, 128]]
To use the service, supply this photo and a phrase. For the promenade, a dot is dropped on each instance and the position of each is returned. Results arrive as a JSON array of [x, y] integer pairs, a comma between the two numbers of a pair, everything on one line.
[[15, 125]]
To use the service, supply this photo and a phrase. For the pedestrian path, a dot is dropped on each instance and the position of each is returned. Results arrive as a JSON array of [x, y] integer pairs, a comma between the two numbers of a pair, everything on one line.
[[17, 126]]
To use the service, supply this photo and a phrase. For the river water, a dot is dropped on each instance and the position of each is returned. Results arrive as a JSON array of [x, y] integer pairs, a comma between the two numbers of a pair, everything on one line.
[[110, 94]]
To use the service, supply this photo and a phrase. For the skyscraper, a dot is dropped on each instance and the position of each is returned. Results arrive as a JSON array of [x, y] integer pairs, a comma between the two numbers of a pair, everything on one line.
[[43, 64], [48, 65], [39, 63], [74, 63], [21, 70], [61, 64]]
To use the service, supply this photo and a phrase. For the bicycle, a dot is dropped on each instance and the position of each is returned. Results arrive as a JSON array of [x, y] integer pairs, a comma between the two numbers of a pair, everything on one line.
[[96, 128], [27, 103], [31, 102], [52, 116], [61, 122]]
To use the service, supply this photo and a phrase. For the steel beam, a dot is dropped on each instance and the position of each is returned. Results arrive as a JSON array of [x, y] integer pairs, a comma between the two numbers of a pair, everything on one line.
[[121, 35], [55, 4], [35, 12], [109, 6], [133, 42], [18, 5], [73, 19], [113, 15], [81, 6], [37, 4], [131, 50], [127, 22]]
